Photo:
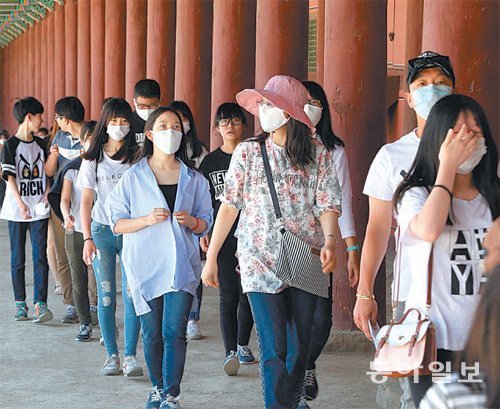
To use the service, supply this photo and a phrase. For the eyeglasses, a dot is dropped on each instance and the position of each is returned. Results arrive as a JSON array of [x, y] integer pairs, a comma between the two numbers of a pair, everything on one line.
[[56, 117], [226, 121], [314, 102], [146, 106]]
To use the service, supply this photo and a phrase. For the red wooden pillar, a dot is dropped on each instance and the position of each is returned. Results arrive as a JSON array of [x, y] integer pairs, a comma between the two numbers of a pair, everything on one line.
[[59, 53], [281, 47], [83, 55], [114, 49], [37, 73], [470, 38], [193, 60], [97, 58], [50, 68], [30, 59], [355, 49], [70, 29], [23, 55], [135, 59], [320, 45], [44, 70], [160, 64], [233, 53]]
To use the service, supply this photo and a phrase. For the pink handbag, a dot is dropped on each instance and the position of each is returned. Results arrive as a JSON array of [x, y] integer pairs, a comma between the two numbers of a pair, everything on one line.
[[405, 347]]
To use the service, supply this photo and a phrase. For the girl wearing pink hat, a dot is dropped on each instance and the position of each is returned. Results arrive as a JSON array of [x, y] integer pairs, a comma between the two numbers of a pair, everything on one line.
[[309, 198]]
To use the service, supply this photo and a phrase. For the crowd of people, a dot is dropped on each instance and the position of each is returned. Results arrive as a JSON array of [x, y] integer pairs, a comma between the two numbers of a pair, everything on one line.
[[266, 211]]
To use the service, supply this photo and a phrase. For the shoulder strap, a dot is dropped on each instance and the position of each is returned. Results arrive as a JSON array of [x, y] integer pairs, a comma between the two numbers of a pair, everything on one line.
[[429, 278], [270, 181]]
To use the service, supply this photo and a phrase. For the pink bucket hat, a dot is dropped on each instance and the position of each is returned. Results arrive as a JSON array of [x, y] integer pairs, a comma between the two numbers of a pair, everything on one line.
[[283, 92]]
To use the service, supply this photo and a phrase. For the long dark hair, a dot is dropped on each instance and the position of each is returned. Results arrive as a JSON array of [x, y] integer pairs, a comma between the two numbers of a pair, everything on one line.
[[114, 108], [147, 147], [299, 147], [482, 345], [324, 127], [192, 136], [443, 116]]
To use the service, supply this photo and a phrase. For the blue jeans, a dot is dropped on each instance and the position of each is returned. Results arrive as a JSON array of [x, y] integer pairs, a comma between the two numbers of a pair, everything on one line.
[[38, 236], [104, 264], [164, 339], [284, 324], [194, 314]]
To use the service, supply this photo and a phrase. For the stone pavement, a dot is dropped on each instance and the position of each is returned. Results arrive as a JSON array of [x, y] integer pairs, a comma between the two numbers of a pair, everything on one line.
[[42, 367]]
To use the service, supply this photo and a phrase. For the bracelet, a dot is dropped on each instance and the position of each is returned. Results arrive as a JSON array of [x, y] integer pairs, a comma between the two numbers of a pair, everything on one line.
[[88, 238], [353, 248], [445, 188], [365, 297], [197, 224]]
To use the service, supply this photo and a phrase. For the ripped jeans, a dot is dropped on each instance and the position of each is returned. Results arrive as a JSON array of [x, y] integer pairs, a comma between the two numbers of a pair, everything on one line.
[[108, 246]]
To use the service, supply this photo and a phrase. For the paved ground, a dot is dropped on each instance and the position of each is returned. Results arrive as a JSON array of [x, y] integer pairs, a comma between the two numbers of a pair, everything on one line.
[[42, 367]]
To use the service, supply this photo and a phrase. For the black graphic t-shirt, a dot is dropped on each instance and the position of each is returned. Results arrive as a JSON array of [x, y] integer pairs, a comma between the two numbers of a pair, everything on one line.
[[214, 167], [457, 260], [25, 161], [137, 127]]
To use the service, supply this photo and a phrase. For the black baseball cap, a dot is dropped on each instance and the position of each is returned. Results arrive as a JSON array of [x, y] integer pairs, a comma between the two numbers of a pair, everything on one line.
[[429, 59]]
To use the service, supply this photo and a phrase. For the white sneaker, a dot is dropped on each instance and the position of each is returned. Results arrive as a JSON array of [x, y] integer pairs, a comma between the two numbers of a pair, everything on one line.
[[193, 331], [131, 366], [111, 365], [170, 402], [231, 364]]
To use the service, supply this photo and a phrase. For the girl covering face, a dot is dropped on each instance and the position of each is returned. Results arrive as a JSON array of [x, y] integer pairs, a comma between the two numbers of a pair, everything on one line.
[[162, 196], [447, 203]]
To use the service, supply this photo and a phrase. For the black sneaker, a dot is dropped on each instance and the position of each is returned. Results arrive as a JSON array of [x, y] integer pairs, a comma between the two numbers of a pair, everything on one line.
[[310, 385], [85, 333]]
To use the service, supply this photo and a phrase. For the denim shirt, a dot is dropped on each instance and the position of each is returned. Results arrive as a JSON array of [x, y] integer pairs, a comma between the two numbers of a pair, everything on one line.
[[163, 257]]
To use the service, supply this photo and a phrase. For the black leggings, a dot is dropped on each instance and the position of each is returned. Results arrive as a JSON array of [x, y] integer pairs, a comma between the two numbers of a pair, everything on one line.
[[419, 389], [236, 319], [321, 327]]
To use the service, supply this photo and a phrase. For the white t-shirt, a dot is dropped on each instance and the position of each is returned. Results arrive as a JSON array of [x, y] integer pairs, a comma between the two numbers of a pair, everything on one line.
[[25, 161], [385, 175], [76, 196], [109, 172], [458, 255], [346, 220]]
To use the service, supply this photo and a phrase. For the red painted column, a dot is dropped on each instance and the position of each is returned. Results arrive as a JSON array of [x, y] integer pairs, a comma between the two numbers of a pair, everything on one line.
[[470, 38], [30, 59], [37, 73], [59, 53], [355, 38], [96, 58], [23, 67], [50, 68], [70, 30], [114, 49], [44, 70], [135, 59], [83, 55], [160, 64], [281, 47], [233, 62], [193, 60]]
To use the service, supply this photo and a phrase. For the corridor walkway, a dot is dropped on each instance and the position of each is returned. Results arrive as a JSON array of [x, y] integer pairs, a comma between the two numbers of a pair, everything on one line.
[[42, 367]]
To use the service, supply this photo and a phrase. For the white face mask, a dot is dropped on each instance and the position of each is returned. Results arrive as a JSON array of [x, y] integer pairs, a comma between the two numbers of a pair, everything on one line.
[[86, 146], [424, 98], [475, 157], [186, 127], [118, 132], [314, 113], [167, 141], [271, 117], [143, 113]]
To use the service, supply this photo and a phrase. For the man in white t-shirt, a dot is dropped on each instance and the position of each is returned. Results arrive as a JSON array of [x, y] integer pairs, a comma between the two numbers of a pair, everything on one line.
[[430, 78]]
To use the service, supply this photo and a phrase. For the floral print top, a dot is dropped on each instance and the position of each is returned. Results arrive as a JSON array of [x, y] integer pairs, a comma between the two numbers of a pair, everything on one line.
[[303, 196]]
